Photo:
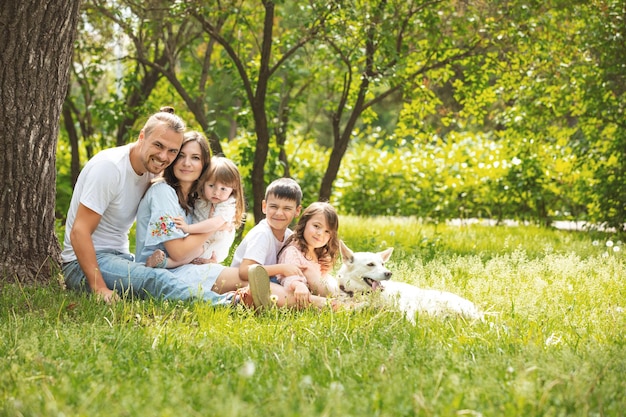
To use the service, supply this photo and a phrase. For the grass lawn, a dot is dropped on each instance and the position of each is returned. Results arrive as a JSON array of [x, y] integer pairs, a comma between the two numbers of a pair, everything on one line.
[[553, 342]]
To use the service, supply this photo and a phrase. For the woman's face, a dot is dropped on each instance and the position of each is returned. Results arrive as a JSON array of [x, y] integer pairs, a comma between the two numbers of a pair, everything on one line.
[[188, 166]]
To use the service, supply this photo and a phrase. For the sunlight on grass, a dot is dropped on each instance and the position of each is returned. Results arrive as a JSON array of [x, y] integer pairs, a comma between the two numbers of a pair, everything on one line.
[[552, 343]]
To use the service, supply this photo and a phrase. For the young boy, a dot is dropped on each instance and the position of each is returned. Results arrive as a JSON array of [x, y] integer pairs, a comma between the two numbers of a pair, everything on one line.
[[260, 246]]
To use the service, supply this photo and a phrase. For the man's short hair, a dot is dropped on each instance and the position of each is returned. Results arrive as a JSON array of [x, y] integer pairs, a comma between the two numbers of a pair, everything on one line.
[[165, 116]]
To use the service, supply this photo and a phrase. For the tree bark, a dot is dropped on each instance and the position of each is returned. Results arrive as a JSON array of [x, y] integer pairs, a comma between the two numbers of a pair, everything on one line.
[[37, 42], [72, 135], [260, 115]]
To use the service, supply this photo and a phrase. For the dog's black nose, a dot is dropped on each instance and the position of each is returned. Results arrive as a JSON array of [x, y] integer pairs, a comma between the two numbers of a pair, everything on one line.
[[388, 274]]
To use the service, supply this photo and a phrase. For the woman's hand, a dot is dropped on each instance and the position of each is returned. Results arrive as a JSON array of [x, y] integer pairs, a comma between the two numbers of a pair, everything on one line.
[[228, 226]]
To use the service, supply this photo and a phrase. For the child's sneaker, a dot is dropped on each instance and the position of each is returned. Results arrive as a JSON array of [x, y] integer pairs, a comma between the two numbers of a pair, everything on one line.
[[259, 284]]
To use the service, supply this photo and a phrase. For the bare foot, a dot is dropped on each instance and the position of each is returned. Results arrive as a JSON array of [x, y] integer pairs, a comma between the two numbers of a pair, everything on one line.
[[158, 259]]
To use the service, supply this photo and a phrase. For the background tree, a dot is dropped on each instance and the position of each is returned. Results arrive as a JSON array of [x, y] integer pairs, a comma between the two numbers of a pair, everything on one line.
[[164, 43], [37, 37], [258, 51], [602, 132], [522, 90], [378, 50]]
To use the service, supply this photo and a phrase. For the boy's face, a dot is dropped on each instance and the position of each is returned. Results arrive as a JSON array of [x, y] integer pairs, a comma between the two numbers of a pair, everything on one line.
[[279, 212]]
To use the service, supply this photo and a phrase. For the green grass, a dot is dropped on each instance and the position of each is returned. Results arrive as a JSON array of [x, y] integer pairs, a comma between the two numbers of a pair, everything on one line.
[[553, 343]]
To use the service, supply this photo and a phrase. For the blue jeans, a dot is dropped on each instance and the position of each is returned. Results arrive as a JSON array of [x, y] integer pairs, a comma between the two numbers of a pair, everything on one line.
[[125, 276]]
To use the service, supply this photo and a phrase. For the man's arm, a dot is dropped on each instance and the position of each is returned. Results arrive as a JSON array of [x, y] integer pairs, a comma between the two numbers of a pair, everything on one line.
[[85, 223]]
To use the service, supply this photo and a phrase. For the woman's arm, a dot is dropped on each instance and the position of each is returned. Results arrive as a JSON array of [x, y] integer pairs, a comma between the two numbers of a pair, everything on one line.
[[184, 250]]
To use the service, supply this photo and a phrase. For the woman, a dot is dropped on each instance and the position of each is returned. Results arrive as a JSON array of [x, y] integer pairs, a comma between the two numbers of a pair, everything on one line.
[[173, 196]]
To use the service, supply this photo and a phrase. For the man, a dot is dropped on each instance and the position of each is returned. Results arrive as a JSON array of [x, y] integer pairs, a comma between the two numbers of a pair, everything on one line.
[[104, 205]]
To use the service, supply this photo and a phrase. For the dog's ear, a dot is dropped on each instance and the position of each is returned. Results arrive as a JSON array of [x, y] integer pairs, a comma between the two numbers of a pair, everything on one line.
[[386, 254], [346, 254]]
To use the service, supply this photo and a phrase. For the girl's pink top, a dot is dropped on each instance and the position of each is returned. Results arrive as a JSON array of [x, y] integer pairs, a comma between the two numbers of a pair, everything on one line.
[[291, 255]]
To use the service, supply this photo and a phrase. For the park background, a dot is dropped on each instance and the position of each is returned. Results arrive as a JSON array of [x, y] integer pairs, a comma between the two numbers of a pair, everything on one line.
[[436, 110], [439, 110], [414, 118]]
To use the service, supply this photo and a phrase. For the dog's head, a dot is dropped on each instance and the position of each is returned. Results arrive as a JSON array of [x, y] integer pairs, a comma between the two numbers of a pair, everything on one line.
[[362, 271]]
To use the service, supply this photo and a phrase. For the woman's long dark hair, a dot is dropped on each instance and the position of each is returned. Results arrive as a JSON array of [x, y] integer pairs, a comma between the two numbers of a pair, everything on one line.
[[187, 202]]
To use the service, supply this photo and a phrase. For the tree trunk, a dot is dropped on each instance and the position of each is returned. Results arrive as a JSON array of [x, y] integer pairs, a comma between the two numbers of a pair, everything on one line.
[[334, 163], [260, 116], [37, 42], [72, 135], [258, 166]]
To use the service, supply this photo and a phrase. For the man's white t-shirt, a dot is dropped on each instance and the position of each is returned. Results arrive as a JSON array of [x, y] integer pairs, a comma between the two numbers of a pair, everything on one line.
[[108, 185]]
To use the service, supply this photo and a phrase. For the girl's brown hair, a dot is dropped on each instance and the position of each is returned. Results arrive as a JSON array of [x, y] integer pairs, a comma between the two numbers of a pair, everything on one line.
[[225, 171], [327, 254]]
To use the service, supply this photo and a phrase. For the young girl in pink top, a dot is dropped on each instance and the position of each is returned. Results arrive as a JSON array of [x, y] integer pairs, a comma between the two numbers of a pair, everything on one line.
[[314, 244]]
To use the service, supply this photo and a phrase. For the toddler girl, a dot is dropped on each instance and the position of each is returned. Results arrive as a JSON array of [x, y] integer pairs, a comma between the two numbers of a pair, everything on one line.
[[314, 245], [219, 210]]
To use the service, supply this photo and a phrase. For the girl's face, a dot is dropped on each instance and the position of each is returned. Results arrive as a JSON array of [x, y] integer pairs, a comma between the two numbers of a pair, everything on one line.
[[216, 191], [316, 231], [188, 166]]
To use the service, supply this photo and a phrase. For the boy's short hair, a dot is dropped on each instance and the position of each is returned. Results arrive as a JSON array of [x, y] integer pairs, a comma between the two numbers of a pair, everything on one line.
[[286, 189]]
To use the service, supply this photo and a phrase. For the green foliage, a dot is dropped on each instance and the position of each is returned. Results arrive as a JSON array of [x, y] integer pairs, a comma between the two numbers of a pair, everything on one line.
[[464, 177], [64, 180], [306, 162], [552, 342], [604, 94], [478, 86], [468, 176]]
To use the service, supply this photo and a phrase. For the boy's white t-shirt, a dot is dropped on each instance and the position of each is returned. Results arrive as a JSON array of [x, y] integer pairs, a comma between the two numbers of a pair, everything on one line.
[[260, 245], [109, 186]]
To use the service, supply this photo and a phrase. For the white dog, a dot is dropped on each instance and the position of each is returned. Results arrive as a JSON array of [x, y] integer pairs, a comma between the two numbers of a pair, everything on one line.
[[365, 271]]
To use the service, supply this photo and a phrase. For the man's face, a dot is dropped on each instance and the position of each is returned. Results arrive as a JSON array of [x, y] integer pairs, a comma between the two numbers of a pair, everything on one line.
[[159, 150], [279, 212]]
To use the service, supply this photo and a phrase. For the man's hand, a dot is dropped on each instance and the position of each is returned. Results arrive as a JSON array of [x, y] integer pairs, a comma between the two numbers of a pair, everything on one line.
[[107, 295]]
